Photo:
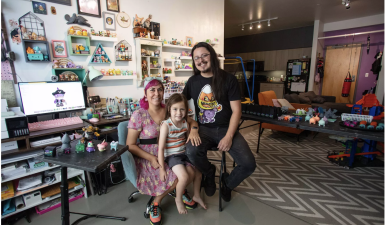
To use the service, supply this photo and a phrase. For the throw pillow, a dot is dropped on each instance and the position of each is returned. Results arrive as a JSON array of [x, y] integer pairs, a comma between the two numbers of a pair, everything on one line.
[[288, 98], [284, 102], [304, 100], [318, 99], [309, 94], [276, 103], [294, 98]]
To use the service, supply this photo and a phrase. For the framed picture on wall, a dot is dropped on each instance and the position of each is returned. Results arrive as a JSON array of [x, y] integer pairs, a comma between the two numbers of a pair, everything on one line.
[[59, 48], [62, 2], [113, 5], [109, 21], [39, 7], [189, 41], [89, 7]]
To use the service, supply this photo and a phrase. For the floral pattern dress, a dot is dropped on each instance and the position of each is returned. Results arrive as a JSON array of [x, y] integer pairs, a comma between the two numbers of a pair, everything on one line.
[[148, 180]]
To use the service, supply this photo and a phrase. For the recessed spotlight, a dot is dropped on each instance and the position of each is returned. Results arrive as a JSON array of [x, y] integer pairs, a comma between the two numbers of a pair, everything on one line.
[[251, 26], [268, 23], [243, 27], [259, 25]]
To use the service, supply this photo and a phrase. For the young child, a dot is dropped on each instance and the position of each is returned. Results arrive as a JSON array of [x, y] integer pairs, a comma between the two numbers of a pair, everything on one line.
[[172, 140]]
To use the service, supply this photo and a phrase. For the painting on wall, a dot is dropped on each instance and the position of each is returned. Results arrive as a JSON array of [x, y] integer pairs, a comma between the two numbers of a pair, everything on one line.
[[59, 48], [62, 2], [109, 21], [189, 41], [39, 7], [89, 8], [113, 5], [123, 19]]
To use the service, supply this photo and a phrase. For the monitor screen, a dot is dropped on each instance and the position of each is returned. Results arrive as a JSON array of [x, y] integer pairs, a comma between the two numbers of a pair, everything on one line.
[[51, 97]]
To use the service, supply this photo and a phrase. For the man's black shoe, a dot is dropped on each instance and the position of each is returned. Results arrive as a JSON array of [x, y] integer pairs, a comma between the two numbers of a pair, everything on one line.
[[225, 191], [210, 186]]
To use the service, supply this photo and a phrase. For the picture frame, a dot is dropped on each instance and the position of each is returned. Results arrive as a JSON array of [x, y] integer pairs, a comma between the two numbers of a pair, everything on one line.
[[123, 19], [87, 9], [59, 48], [113, 5], [189, 41], [109, 22], [39, 7], [61, 2]]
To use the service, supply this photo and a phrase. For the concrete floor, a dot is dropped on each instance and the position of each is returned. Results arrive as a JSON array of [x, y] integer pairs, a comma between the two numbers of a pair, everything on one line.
[[240, 210]]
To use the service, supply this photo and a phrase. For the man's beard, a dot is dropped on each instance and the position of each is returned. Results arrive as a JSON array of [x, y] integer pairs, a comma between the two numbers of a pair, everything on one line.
[[207, 69]]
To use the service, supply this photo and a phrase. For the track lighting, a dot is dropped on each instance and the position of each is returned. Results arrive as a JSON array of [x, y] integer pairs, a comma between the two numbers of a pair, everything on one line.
[[259, 25], [251, 26], [268, 23], [243, 27], [346, 3], [259, 22]]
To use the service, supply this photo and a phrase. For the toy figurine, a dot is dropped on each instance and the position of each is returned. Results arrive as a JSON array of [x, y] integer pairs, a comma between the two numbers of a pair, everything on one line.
[[103, 71], [56, 64], [72, 31], [37, 49], [118, 72], [325, 119], [138, 21], [147, 22], [363, 124], [108, 34], [316, 118], [102, 146], [321, 123], [101, 33], [80, 147], [66, 147], [90, 131], [84, 31], [329, 114], [380, 126], [93, 32], [114, 145], [90, 147], [300, 112], [310, 112], [313, 120]]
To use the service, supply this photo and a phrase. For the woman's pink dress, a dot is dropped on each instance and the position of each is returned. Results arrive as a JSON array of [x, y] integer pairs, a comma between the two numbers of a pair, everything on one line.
[[148, 181]]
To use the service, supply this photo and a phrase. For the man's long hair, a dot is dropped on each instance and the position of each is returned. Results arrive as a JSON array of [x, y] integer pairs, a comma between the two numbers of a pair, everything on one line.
[[217, 81]]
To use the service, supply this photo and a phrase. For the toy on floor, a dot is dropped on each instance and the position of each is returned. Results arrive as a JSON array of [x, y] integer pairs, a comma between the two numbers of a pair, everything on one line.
[[321, 123], [102, 146], [90, 147], [80, 147], [114, 145]]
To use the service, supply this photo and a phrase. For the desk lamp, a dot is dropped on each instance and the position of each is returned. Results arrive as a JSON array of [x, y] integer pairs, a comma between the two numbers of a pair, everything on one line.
[[93, 74]]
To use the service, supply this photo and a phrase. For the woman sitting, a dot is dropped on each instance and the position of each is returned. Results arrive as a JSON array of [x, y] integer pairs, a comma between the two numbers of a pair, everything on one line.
[[144, 124]]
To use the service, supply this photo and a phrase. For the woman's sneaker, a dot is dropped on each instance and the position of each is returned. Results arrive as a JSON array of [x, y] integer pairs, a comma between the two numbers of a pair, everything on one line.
[[155, 214], [189, 203]]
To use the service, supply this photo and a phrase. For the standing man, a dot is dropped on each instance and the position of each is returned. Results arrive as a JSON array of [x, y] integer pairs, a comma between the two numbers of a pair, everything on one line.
[[217, 101]]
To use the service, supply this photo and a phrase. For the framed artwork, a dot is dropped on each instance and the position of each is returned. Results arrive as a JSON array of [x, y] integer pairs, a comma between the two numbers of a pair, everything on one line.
[[89, 8], [123, 19], [39, 7], [189, 41], [59, 48], [113, 5], [62, 2], [109, 21]]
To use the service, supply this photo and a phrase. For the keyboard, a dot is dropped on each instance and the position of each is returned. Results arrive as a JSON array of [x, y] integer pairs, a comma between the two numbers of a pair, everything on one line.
[[49, 124]]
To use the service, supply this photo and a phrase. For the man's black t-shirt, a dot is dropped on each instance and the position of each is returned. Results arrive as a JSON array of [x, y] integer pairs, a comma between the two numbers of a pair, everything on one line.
[[209, 111]]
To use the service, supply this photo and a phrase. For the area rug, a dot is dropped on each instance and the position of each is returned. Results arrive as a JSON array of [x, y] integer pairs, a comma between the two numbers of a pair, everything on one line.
[[299, 180]]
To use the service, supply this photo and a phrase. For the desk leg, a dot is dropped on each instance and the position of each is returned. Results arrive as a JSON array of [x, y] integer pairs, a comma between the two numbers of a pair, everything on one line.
[[259, 135], [65, 211]]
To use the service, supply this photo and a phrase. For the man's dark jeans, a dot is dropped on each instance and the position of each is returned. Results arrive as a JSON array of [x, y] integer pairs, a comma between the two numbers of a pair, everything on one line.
[[239, 150]]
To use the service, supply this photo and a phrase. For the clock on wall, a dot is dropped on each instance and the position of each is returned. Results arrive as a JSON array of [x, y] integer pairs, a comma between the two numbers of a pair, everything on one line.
[[123, 19]]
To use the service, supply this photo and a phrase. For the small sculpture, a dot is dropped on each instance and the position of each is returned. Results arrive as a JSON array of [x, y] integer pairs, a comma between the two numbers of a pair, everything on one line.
[[310, 112], [380, 126], [316, 117], [321, 123], [138, 21], [72, 31], [147, 22], [307, 118], [102, 146], [300, 112], [66, 147], [76, 20], [313, 121], [325, 119], [56, 64], [114, 145], [363, 124], [90, 131], [37, 49], [80, 147], [329, 114], [70, 65], [90, 147], [321, 112]]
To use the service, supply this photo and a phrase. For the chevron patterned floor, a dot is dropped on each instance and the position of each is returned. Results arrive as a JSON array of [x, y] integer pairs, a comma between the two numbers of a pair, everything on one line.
[[299, 180]]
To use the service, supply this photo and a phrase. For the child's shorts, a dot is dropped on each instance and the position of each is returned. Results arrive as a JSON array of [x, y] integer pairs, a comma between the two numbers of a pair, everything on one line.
[[173, 160]]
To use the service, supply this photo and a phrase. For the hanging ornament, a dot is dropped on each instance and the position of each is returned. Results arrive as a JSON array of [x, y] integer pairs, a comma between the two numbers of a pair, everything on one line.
[[368, 45]]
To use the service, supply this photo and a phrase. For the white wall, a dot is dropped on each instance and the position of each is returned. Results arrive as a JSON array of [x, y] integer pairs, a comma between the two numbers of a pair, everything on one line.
[[357, 22], [200, 19]]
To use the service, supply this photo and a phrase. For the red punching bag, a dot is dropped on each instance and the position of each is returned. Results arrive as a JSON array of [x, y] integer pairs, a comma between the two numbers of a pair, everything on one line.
[[347, 84]]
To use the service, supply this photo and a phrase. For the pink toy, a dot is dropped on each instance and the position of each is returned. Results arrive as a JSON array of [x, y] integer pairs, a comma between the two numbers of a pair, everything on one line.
[[347, 123], [94, 120], [313, 120], [316, 118], [102, 146]]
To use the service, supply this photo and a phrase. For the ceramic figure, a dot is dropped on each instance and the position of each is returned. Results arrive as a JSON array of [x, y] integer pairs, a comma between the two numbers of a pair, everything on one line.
[[90, 147], [321, 123], [84, 31], [80, 147], [102, 146], [114, 145]]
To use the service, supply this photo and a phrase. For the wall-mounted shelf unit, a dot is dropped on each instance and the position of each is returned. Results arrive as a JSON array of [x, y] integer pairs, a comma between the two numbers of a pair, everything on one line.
[[123, 51], [177, 46], [99, 38], [120, 77], [80, 72], [185, 57], [73, 40], [184, 70], [44, 56], [98, 56]]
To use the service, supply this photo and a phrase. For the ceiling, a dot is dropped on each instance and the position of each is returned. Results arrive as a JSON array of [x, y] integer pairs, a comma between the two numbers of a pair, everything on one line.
[[292, 13]]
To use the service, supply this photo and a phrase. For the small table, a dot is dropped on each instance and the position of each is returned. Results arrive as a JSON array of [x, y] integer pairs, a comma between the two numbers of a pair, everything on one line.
[[91, 162]]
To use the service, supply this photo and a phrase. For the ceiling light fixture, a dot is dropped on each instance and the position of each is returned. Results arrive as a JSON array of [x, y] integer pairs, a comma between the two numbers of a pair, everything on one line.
[[259, 22], [346, 3]]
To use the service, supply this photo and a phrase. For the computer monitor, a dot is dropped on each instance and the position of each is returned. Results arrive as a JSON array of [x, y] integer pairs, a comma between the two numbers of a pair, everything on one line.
[[51, 97]]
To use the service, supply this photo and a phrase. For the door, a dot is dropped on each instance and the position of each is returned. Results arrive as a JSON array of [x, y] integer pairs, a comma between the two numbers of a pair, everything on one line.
[[337, 63]]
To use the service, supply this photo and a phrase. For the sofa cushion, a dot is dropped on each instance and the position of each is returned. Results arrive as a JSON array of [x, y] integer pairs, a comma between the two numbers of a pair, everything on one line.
[[309, 94], [294, 98], [288, 98], [284, 102], [318, 99], [304, 99], [276, 103]]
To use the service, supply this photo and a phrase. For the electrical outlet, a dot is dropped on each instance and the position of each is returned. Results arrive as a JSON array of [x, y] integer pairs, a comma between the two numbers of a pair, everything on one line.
[[366, 74]]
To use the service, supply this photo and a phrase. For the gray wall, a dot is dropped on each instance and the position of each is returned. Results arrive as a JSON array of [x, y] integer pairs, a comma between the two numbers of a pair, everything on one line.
[[278, 40]]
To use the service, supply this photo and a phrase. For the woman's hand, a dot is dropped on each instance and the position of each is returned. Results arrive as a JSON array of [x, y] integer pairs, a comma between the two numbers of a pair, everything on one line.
[[194, 138], [162, 174], [225, 143], [154, 162]]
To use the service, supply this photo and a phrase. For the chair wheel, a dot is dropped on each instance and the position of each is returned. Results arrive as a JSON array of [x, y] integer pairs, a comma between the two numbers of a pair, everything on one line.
[[131, 200], [146, 215]]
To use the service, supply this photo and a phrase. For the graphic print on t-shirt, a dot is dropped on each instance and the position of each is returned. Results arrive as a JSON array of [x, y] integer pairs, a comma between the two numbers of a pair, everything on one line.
[[208, 106]]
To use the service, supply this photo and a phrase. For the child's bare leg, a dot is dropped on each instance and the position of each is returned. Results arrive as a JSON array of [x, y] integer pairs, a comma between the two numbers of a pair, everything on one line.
[[181, 173], [197, 186]]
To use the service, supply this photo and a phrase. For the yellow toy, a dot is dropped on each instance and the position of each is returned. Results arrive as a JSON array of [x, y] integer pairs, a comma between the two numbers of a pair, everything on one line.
[[110, 72], [81, 48], [117, 72], [30, 50], [113, 72], [72, 31], [77, 50], [34, 36], [78, 32], [85, 32], [90, 131]]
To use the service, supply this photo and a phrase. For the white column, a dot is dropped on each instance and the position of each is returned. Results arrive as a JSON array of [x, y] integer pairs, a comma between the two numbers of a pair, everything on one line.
[[316, 48]]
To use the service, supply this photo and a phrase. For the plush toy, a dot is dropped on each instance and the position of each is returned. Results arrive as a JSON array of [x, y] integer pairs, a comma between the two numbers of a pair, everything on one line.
[[70, 65]]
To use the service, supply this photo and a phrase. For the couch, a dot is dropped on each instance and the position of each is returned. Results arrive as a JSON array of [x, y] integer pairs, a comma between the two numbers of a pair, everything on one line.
[[266, 98], [310, 98]]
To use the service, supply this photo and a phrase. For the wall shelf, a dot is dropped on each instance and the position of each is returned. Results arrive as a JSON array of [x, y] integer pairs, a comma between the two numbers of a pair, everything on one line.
[[183, 70], [185, 57], [93, 57], [78, 71], [177, 46], [71, 39], [98, 38], [119, 77], [34, 43]]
